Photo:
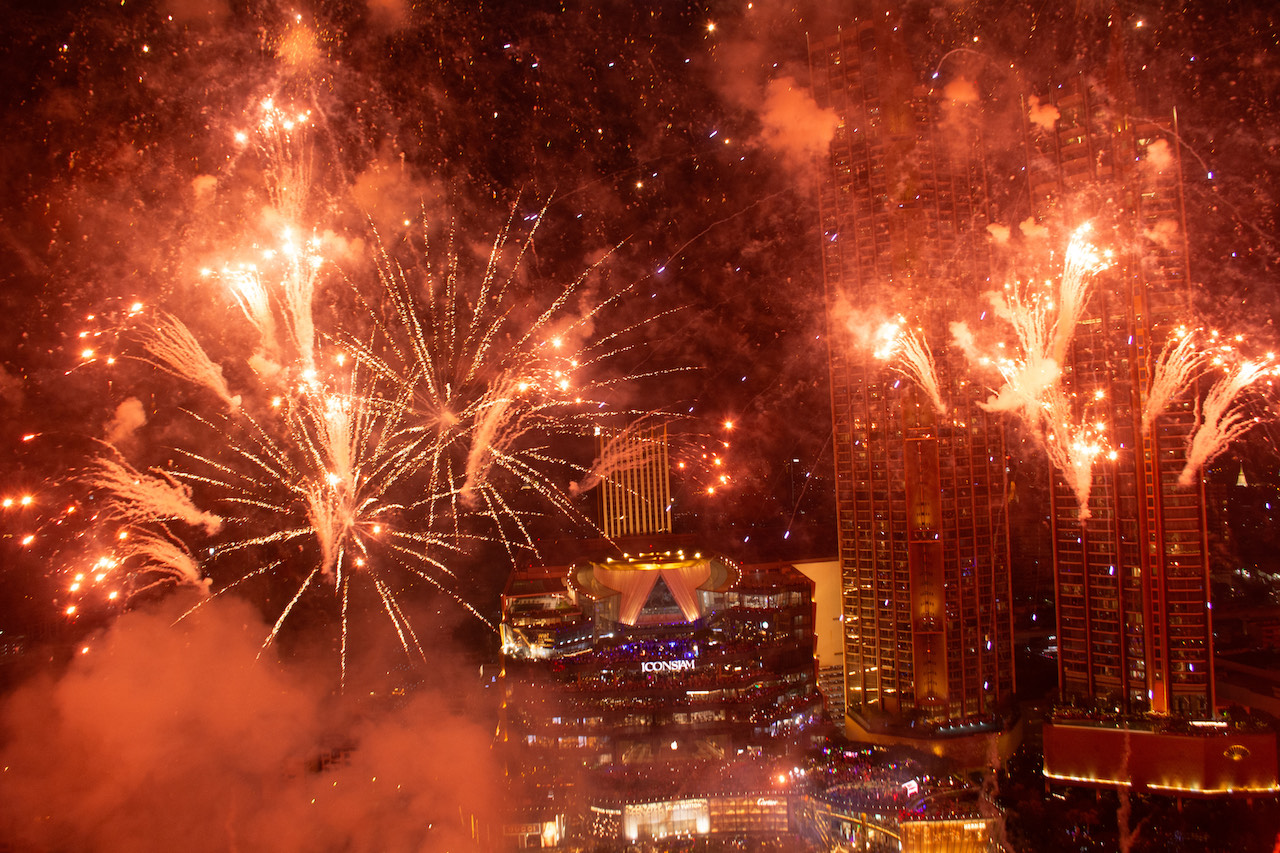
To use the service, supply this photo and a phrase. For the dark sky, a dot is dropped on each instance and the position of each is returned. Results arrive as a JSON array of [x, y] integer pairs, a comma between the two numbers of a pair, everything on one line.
[[680, 137]]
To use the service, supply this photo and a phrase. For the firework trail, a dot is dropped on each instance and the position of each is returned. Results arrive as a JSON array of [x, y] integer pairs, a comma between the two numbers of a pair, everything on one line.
[[251, 294], [1028, 372], [1172, 373], [496, 428], [175, 350], [634, 447], [1044, 321], [909, 354], [1083, 261], [284, 283], [136, 497], [285, 147], [302, 263], [1222, 417]]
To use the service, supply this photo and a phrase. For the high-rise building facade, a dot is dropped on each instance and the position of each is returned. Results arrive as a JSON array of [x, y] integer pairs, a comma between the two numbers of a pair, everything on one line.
[[1132, 580], [920, 476], [635, 485]]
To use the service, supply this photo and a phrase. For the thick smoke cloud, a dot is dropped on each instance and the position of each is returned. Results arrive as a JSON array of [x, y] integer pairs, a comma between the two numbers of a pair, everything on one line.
[[161, 737], [793, 123], [129, 417], [1043, 116]]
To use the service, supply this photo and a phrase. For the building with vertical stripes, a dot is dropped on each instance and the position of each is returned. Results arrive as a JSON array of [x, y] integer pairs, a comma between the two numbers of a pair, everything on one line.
[[1132, 580], [920, 477], [1137, 706], [635, 491]]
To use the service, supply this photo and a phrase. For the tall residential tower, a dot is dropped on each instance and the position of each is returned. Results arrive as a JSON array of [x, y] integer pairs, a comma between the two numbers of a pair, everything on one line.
[[1131, 571], [1132, 581], [920, 477]]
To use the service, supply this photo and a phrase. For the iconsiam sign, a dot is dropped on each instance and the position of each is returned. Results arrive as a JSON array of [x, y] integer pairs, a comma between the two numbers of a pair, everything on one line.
[[666, 666], [364, 429]]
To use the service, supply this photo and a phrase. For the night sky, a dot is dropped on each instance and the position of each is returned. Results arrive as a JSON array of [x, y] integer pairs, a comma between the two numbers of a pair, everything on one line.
[[679, 140], [674, 148]]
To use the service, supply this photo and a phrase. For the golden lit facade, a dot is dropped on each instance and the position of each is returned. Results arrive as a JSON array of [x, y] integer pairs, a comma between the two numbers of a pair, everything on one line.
[[1132, 581], [635, 496], [941, 835], [923, 520], [1207, 758]]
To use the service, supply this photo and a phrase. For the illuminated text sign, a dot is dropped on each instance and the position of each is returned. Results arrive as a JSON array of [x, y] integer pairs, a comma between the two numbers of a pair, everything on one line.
[[665, 665]]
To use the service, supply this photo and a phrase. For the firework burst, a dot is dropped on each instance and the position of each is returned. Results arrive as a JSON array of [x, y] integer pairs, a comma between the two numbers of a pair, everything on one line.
[[1043, 319], [420, 399]]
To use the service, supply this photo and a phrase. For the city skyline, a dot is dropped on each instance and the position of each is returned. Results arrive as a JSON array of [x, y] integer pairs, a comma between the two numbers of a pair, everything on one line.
[[176, 433]]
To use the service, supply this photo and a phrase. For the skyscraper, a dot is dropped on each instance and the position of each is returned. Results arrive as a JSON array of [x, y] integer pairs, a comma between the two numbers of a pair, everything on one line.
[[1132, 580], [635, 490], [920, 476], [1131, 566]]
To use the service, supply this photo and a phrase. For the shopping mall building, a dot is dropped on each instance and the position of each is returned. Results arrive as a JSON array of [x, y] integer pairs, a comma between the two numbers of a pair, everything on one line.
[[651, 689], [662, 653]]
